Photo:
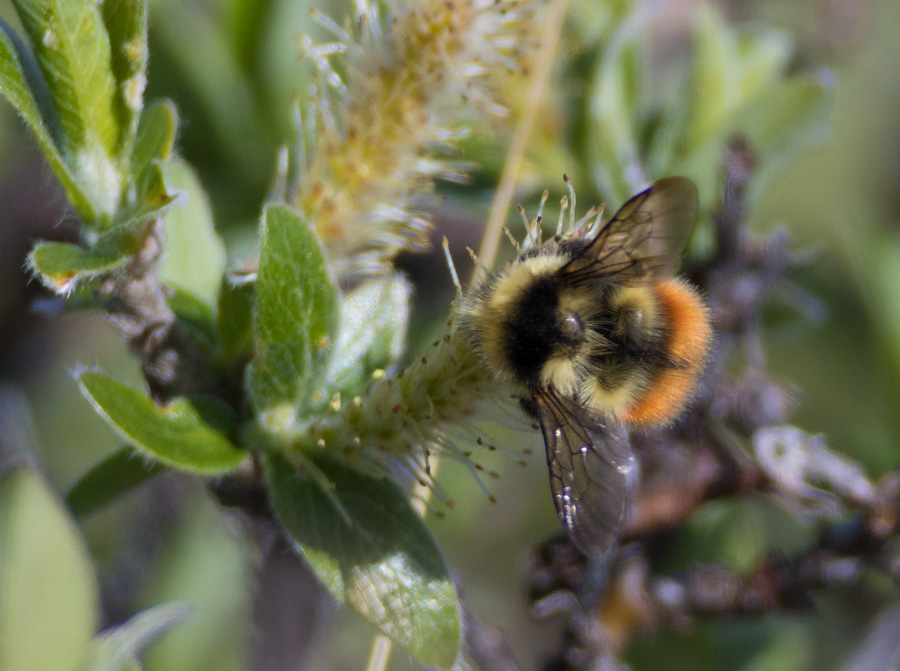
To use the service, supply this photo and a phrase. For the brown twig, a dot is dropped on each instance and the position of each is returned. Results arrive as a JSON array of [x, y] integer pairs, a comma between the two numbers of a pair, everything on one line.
[[136, 305]]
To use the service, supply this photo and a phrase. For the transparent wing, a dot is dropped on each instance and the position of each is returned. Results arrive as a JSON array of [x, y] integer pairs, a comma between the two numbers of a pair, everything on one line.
[[645, 238], [592, 472]]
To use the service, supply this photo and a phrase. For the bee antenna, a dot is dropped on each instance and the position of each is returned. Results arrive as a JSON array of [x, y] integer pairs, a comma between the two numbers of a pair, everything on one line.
[[451, 266], [572, 194], [515, 243]]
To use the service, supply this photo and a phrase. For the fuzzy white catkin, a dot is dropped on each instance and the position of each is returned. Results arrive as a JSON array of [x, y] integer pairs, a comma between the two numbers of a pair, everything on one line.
[[401, 421], [388, 93]]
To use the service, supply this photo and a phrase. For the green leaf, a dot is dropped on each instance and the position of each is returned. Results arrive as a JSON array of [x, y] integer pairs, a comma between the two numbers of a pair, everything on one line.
[[117, 649], [715, 75], [126, 26], [295, 319], [373, 330], [235, 318], [48, 592], [154, 200], [32, 79], [788, 109], [764, 54], [196, 316], [384, 564], [613, 133], [116, 475], [195, 255], [649, 118], [730, 69], [735, 72], [72, 49], [155, 136], [24, 92], [62, 266], [779, 124], [187, 434]]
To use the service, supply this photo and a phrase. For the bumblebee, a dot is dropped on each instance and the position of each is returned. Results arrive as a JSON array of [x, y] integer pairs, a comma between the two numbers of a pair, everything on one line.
[[597, 337]]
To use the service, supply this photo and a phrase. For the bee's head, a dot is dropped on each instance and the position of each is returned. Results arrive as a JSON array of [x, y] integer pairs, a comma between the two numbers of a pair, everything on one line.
[[544, 324], [527, 318]]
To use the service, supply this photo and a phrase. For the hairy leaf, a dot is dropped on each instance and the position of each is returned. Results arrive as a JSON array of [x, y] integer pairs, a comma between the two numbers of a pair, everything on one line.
[[372, 551], [235, 319], [116, 475], [295, 318], [72, 49], [61, 266], [22, 83], [373, 331], [126, 26], [155, 136], [187, 434]]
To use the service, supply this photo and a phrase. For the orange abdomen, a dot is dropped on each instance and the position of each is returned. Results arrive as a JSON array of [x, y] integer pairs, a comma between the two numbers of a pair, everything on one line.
[[687, 343]]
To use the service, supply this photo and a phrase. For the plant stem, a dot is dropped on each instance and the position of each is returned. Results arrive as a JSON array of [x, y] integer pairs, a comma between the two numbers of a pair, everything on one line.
[[541, 73], [380, 654]]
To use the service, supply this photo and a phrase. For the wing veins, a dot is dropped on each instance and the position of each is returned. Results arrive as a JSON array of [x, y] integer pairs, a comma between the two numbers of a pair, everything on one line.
[[643, 241], [591, 472]]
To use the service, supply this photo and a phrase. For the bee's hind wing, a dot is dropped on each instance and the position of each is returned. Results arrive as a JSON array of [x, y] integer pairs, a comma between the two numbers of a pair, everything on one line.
[[592, 472]]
